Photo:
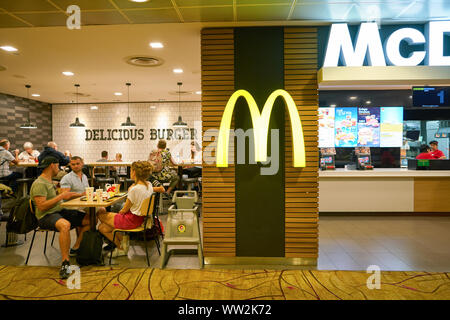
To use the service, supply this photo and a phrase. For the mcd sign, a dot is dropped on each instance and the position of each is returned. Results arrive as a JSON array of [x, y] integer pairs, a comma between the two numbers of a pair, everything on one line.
[[368, 43]]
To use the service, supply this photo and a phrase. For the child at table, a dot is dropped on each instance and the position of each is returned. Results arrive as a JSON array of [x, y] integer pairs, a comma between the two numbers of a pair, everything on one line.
[[129, 217]]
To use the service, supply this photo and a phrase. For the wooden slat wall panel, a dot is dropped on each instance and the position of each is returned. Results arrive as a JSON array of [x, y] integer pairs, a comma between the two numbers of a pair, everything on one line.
[[219, 236], [301, 185]]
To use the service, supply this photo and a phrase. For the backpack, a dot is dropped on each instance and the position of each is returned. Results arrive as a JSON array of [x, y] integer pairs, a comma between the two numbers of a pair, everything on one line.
[[156, 160], [22, 219], [90, 252]]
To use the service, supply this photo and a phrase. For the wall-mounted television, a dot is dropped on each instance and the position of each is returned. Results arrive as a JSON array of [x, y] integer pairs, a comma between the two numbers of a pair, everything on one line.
[[431, 96]]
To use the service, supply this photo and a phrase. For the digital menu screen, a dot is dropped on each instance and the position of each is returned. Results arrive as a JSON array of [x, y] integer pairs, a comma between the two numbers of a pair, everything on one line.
[[391, 133], [361, 127], [326, 127], [368, 127], [363, 160], [346, 130]]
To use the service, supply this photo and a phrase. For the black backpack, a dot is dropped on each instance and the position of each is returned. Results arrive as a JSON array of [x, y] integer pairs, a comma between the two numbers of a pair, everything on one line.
[[90, 252], [22, 219]]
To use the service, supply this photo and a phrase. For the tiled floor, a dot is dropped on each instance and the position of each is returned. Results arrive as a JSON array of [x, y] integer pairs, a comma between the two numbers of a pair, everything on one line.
[[345, 243]]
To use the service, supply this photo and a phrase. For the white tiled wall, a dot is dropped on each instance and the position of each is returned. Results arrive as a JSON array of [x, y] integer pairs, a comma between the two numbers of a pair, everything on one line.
[[110, 116]]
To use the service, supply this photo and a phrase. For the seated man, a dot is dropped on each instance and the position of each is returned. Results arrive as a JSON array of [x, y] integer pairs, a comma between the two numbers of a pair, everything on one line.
[[5, 158], [52, 216]]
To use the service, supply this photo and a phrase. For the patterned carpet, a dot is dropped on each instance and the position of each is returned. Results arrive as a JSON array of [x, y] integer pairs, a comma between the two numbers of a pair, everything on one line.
[[211, 284]]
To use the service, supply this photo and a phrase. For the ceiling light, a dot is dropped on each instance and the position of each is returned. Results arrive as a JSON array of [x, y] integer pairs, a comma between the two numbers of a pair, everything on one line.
[[353, 98], [139, 1], [152, 107], [118, 93], [179, 123], [128, 123], [28, 125], [368, 102], [410, 97], [178, 70], [36, 95], [68, 73], [77, 123], [333, 105], [9, 48], [198, 92], [156, 45], [94, 108]]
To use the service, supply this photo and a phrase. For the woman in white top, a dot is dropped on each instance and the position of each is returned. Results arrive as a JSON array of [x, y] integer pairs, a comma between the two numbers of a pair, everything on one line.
[[29, 155], [129, 217]]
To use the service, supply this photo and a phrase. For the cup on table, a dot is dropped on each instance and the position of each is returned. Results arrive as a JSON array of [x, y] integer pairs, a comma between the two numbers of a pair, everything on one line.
[[89, 193], [99, 193], [116, 188]]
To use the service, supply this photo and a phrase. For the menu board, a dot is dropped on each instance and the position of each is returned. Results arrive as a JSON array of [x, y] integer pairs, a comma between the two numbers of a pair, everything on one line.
[[391, 133], [369, 127], [326, 127], [361, 127], [346, 127]]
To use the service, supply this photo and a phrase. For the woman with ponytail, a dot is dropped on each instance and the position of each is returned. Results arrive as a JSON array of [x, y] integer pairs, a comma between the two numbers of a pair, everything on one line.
[[129, 217]]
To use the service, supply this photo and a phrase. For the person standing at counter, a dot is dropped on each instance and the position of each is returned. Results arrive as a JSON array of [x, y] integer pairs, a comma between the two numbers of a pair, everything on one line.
[[425, 153], [435, 152]]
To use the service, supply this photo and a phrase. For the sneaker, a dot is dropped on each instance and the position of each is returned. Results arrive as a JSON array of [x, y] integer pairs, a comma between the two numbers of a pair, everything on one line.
[[64, 272], [118, 253], [73, 252], [125, 242], [109, 247]]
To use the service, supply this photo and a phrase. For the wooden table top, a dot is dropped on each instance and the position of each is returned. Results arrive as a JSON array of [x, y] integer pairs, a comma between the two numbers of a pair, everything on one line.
[[92, 204], [27, 164], [109, 164]]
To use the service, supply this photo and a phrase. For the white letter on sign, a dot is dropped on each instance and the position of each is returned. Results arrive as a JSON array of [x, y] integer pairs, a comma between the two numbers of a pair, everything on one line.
[[412, 36], [367, 41], [436, 31]]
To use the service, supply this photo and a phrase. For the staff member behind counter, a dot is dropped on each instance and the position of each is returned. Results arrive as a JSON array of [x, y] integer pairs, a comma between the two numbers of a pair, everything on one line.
[[425, 153], [435, 152]]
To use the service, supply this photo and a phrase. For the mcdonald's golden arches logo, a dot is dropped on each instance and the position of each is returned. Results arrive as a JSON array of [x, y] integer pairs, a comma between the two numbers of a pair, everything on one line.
[[260, 123]]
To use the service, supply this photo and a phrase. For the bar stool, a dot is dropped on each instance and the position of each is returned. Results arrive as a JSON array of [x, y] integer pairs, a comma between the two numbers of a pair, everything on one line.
[[189, 182], [23, 184]]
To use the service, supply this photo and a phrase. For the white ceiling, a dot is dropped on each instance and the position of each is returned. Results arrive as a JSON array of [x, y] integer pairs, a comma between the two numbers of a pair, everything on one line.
[[96, 55]]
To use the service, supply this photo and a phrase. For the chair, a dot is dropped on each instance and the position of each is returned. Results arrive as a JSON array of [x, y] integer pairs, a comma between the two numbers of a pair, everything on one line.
[[183, 228], [39, 230], [148, 209]]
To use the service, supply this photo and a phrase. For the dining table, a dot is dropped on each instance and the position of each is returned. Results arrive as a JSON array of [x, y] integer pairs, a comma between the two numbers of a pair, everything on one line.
[[80, 202]]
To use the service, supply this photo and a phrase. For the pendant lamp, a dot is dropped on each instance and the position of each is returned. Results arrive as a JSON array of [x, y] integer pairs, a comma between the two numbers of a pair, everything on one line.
[[77, 123], [179, 123], [128, 123], [28, 124]]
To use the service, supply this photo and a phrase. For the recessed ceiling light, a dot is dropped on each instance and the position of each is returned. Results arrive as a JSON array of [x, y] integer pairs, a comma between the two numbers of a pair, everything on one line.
[[332, 105], [8, 48], [139, 0], [94, 108], [156, 45], [178, 70], [198, 92], [353, 98], [410, 97], [152, 107], [36, 95], [368, 102], [68, 73], [118, 93]]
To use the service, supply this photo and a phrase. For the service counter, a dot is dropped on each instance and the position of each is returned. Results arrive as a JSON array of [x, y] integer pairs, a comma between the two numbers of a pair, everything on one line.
[[384, 190]]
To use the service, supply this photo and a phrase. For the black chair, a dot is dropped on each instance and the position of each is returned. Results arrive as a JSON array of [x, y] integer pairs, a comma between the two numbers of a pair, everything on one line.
[[39, 230]]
